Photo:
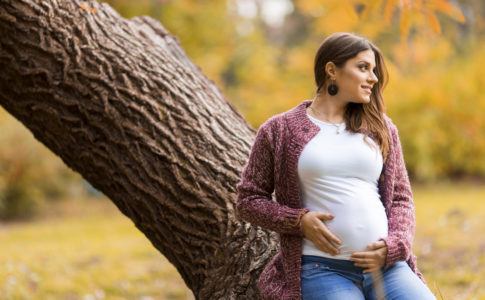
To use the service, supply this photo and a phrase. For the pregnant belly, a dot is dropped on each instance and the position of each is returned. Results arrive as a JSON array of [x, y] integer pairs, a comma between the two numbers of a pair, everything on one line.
[[358, 228]]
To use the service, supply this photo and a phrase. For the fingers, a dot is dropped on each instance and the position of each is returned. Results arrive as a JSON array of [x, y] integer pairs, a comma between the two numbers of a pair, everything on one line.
[[324, 239], [361, 261], [364, 255], [331, 241], [369, 261], [328, 247], [368, 265], [331, 237], [376, 245], [325, 216]]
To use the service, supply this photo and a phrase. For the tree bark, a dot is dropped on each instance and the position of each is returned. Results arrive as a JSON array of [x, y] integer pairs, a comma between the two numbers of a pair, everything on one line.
[[119, 102]]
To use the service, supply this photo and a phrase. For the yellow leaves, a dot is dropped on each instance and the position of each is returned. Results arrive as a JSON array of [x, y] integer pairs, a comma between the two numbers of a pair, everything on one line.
[[354, 15], [313, 8], [432, 7], [298, 60], [339, 18], [405, 21], [433, 22], [423, 50], [389, 9], [442, 101], [446, 8], [368, 7], [428, 10]]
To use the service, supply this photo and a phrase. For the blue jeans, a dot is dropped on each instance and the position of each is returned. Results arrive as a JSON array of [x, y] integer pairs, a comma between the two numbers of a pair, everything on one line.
[[325, 278]]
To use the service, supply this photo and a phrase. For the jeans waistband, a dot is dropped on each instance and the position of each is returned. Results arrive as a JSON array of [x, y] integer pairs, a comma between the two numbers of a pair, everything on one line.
[[338, 264]]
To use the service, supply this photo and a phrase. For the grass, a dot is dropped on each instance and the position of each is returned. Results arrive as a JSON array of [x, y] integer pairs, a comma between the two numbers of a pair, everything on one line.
[[84, 250], [89, 250], [449, 242]]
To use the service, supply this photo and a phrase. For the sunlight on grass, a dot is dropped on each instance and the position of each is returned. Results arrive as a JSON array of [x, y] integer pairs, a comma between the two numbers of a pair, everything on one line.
[[90, 254], [449, 239], [89, 250]]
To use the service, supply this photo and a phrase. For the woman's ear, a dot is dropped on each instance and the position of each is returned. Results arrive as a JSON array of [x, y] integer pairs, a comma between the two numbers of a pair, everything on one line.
[[330, 70]]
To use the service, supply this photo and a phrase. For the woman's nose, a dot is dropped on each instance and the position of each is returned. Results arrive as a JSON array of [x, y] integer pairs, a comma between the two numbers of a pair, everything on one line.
[[374, 78]]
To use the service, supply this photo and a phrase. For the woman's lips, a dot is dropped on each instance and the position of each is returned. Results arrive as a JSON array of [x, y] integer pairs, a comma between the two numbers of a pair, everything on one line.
[[368, 90]]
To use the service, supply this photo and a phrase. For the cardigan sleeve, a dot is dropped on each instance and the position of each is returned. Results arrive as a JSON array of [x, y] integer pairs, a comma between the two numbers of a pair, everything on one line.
[[254, 200], [401, 218]]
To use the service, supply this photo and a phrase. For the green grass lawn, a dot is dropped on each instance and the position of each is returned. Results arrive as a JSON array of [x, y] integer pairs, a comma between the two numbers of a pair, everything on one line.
[[89, 250]]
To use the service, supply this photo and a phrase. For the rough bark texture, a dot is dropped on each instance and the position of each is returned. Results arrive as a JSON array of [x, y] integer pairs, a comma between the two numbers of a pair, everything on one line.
[[119, 101]]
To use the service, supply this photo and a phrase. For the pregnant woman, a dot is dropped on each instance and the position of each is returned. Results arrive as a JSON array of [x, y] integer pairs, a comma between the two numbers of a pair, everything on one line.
[[344, 207]]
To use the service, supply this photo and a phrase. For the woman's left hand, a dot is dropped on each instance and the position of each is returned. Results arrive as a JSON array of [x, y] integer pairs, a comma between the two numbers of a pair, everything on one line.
[[373, 259]]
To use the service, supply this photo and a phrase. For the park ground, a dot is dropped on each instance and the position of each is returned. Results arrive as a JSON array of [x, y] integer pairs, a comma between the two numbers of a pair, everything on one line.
[[86, 249]]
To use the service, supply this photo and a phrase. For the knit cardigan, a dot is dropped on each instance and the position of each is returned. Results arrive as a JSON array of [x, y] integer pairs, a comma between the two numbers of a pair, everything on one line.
[[272, 166]]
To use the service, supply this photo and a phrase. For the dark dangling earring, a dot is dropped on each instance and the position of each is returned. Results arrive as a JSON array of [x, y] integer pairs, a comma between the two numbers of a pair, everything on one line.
[[332, 89]]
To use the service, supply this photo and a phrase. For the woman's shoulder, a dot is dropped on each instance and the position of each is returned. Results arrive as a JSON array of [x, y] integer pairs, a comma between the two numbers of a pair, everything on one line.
[[273, 123], [286, 119], [273, 129]]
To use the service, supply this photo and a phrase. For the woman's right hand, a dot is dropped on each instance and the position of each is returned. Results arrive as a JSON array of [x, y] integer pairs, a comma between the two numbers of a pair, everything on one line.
[[316, 231]]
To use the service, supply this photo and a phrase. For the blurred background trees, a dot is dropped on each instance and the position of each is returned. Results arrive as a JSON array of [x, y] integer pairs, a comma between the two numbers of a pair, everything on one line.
[[30, 175], [260, 54]]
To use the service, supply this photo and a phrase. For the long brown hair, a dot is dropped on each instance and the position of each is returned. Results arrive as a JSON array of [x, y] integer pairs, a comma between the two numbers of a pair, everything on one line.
[[363, 118]]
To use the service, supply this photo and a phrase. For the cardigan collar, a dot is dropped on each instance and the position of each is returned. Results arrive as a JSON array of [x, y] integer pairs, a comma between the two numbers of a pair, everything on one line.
[[302, 130], [301, 127], [298, 121]]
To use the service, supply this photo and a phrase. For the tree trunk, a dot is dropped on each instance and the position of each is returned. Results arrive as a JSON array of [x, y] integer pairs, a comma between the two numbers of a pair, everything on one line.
[[119, 101]]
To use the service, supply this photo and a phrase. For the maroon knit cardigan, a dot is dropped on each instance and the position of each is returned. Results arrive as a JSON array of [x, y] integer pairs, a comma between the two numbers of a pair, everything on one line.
[[272, 166]]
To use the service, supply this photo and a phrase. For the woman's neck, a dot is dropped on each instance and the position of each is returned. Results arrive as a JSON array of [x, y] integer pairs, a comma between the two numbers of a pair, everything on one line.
[[327, 109]]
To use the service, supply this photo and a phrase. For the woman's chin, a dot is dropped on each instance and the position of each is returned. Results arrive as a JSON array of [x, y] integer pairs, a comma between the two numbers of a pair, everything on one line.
[[361, 100], [364, 101]]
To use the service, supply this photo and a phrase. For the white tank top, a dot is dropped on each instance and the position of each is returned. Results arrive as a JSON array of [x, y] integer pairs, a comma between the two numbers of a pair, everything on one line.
[[338, 174]]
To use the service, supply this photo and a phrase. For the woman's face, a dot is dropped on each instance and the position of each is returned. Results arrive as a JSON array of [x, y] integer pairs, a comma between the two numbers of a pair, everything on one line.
[[356, 78]]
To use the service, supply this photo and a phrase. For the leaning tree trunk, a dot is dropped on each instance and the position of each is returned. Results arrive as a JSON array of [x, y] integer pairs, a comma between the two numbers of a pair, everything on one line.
[[119, 101]]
